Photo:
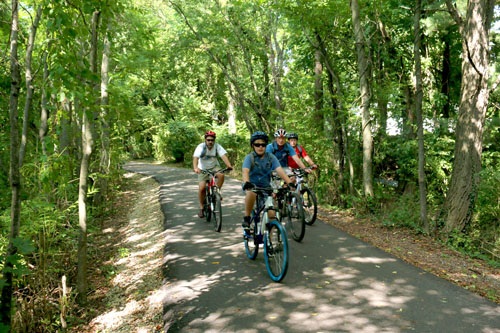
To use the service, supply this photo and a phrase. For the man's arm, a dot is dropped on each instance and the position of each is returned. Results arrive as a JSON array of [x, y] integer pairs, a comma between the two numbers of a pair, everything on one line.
[[283, 175], [310, 161], [298, 161], [245, 175], [195, 165], [226, 161]]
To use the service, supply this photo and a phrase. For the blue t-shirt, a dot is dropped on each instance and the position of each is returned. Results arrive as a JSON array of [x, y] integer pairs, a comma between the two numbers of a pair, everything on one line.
[[281, 154], [260, 174]]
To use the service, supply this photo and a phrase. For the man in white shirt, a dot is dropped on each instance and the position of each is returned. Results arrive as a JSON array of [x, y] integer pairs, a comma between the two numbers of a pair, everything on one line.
[[205, 158]]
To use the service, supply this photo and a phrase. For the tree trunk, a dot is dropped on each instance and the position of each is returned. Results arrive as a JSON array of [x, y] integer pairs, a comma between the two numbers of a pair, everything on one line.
[[44, 114], [231, 114], [29, 84], [15, 175], [364, 86], [461, 197], [87, 145], [318, 82], [418, 111], [105, 161]]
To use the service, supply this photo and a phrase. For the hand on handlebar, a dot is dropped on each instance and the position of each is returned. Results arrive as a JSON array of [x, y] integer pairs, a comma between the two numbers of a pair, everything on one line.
[[292, 186]]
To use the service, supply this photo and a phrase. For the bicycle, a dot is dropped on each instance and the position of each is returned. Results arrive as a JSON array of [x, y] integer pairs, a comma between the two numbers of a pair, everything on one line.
[[290, 206], [268, 232], [307, 195], [212, 207]]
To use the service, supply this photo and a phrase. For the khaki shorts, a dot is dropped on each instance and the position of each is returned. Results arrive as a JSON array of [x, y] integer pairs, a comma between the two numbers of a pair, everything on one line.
[[203, 177]]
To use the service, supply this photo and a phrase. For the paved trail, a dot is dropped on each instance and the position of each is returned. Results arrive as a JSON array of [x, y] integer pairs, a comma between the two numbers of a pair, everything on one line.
[[335, 283]]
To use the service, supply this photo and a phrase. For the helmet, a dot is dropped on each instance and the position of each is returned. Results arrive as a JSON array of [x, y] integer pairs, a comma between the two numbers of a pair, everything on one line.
[[280, 132], [293, 136], [259, 135], [210, 133]]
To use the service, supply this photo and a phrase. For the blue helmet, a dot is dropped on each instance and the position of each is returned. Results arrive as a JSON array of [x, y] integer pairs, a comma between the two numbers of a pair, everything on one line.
[[259, 135]]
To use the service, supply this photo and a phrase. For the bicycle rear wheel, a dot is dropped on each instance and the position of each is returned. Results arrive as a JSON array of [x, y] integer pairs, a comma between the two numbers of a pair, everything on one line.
[[295, 216], [276, 251], [310, 205], [251, 242], [217, 212]]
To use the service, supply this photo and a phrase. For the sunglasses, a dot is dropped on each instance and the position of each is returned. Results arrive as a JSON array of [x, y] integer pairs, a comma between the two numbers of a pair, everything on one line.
[[259, 145], [210, 140]]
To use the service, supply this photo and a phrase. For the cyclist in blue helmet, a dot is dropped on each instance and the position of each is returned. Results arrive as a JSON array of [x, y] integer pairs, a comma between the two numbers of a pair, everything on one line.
[[256, 171]]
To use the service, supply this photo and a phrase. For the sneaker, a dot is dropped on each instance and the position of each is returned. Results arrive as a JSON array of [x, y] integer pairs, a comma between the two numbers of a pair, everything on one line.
[[201, 214], [246, 223]]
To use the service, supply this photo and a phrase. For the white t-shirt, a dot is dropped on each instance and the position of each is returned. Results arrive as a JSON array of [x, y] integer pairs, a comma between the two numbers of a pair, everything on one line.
[[209, 160]]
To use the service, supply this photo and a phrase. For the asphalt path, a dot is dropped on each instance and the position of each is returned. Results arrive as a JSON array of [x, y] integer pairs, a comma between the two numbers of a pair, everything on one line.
[[335, 283]]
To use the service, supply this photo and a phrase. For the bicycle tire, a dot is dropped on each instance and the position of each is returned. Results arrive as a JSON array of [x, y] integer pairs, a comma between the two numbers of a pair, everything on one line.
[[276, 253], [310, 205], [251, 243], [295, 216], [208, 204], [217, 212]]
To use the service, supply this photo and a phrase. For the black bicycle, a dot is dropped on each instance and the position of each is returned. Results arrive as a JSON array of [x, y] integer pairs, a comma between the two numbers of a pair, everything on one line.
[[309, 201], [290, 208], [270, 233], [212, 206]]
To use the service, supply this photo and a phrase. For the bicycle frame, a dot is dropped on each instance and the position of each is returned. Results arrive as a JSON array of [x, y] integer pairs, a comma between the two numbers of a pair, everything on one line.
[[309, 199], [212, 204], [301, 178], [268, 232]]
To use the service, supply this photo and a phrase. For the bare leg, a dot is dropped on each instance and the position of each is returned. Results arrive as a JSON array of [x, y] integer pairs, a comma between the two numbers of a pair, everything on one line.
[[201, 193], [220, 180], [249, 202]]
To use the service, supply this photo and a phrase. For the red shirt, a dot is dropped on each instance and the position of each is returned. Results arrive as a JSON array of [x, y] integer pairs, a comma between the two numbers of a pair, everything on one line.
[[291, 162]]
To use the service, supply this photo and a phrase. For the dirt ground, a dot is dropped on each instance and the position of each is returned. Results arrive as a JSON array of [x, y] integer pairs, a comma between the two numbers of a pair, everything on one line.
[[126, 265]]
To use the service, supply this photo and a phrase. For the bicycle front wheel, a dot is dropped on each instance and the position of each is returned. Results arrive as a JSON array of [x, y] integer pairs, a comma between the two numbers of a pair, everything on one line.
[[295, 216], [207, 206], [276, 251], [310, 205], [217, 212]]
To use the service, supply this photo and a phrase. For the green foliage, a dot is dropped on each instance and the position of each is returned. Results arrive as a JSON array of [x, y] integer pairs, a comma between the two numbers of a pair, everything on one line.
[[174, 140], [404, 212]]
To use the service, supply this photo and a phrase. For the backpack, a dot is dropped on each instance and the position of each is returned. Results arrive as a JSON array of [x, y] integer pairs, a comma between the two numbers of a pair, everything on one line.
[[204, 151], [300, 150]]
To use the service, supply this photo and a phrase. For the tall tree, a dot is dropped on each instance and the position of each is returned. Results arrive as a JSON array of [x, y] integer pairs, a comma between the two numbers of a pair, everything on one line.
[[15, 174], [364, 87], [418, 110], [87, 146], [474, 29]]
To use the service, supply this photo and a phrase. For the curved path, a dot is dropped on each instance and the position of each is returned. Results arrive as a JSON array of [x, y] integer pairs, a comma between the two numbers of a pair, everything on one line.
[[335, 283]]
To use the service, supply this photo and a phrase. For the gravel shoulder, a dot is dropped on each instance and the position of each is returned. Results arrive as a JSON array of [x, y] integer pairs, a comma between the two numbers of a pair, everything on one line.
[[126, 264]]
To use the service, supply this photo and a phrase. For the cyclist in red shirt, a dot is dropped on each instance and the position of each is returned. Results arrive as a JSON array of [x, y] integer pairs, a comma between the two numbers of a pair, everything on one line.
[[293, 138]]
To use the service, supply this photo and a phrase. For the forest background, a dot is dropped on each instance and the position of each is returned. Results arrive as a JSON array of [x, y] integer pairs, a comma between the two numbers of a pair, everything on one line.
[[396, 101]]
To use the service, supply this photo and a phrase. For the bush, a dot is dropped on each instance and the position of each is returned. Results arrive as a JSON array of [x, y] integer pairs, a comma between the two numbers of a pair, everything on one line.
[[174, 140]]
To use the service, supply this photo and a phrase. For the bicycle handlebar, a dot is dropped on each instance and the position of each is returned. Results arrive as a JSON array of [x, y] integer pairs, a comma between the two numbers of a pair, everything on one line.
[[301, 172], [267, 190], [214, 172]]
